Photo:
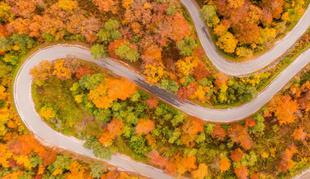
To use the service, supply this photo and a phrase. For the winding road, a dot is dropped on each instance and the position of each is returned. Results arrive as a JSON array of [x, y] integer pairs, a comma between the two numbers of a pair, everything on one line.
[[250, 66], [48, 136]]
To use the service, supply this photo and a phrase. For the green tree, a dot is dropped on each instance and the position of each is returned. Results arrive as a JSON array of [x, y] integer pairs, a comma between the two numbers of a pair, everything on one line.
[[186, 46], [91, 81], [109, 32], [208, 13], [126, 52], [98, 51]]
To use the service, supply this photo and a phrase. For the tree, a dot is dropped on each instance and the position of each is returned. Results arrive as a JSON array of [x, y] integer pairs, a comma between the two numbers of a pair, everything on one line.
[[113, 130], [209, 14], [61, 71], [227, 42], [247, 33], [144, 126], [218, 132], [110, 31], [185, 66], [68, 5], [275, 7], [83, 70], [284, 108], [107, 5], [110, 90], [127, 3], [186, 164], [90, 82], [47, 113], [299, 134], [156, 159], [286, 162], [236, 155], [201, 71], [224, 164], [193, 126], [5, 12], [154, 73], [42, 71], [180, 27], [127, 52], [267, 35], [186, 46], [239, 134], [235, 3], [98, 51], [201, 172], [241, 172], [153, 54]]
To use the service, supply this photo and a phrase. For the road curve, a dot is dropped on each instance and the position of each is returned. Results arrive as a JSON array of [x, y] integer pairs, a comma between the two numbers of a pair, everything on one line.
[[49, 137], [253, 65]]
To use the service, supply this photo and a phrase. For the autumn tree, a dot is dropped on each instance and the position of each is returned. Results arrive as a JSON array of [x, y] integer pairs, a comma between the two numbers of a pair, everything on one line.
[[241, 172], [186, 46], [227, 42], [107, 5], [209, 14], [98, 51], [113, 130], [110, 90], [284, 108], [109, 32], [224, 164], [144, 126], [201, 172], [286, 162], [239, 134]]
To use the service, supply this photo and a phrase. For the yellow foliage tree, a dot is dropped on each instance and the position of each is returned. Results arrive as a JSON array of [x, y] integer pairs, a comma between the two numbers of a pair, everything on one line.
[[227, 42], [235, 3], [47, 113], [154, 73], [186, 66], [201, 172], [68, 5], [61, 71]]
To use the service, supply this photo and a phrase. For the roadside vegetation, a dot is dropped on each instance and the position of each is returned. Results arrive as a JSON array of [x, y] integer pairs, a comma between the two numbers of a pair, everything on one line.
[[243, 28], [120, 117]]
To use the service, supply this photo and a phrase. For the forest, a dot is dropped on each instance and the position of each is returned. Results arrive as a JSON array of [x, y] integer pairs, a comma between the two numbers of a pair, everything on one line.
[[158, 39], [243, 28]]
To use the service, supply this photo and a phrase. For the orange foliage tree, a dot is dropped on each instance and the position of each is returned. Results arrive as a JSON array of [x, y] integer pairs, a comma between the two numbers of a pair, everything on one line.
[[145, 126], [284, 108], [239, 134], [113, 130]]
